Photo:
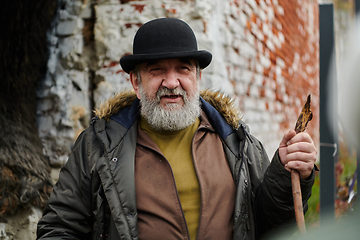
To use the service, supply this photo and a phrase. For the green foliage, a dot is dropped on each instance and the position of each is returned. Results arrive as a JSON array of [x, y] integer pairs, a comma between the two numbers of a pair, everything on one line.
[[312, 215]]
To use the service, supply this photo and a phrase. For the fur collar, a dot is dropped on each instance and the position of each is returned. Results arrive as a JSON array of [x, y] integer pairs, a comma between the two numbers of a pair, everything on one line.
[[222, 103]]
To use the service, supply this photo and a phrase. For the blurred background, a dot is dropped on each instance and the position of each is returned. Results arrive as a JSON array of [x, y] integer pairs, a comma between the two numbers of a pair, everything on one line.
[[60, 59]]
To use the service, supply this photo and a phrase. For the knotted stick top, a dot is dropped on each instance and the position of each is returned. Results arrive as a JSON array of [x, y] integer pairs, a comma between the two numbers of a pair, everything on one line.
[[305, 117]]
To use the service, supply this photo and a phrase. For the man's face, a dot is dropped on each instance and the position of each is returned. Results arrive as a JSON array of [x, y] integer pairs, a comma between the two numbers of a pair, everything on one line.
[[179, 74], [168, 93]]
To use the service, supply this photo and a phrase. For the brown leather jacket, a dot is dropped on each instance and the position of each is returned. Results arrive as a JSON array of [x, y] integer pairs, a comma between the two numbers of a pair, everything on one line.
[[95, 195]]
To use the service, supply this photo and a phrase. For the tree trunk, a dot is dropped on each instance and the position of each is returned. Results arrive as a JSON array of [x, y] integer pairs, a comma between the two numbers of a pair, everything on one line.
[[24, 170]]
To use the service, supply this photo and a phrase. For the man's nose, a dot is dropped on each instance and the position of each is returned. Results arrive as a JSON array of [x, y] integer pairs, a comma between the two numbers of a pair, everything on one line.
[[171, 80]]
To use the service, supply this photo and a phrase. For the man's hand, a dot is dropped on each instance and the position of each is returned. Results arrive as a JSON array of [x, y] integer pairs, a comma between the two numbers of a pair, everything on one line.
[[297, 151]]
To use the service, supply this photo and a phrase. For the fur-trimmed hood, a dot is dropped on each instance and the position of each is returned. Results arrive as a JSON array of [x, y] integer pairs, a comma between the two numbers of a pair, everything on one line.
[[222, 103]]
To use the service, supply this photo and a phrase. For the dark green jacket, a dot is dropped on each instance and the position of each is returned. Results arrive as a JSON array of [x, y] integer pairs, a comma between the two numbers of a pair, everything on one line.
[[94, 197]]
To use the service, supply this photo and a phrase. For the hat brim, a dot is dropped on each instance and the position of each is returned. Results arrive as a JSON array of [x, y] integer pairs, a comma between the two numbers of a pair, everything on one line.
[[129, 62]]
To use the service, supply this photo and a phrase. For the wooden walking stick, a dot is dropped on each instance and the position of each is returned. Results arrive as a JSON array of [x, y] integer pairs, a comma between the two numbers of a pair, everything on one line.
[[301, 123]]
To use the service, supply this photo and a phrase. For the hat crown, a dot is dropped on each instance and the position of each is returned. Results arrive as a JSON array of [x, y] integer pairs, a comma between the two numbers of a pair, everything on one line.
[[164, 35], [164, 38]]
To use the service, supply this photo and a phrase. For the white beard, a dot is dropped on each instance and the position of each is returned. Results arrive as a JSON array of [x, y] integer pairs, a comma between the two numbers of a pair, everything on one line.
[[172, 117]]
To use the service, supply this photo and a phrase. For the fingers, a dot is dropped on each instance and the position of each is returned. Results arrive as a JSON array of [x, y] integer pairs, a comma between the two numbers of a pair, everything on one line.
[[300, 147], [300, 137], [300, 156], [304, 168], [297, 151], [289, 135]]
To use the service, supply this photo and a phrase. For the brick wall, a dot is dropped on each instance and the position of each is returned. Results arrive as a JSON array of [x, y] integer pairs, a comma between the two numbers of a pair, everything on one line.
[[265, 55], [273, 64]]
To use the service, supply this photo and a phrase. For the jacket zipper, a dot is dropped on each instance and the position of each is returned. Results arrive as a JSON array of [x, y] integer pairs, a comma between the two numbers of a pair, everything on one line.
[[201, 197], [178, 198]]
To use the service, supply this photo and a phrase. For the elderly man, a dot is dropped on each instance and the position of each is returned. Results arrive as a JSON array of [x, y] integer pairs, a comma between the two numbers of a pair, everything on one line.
[[167, 163]]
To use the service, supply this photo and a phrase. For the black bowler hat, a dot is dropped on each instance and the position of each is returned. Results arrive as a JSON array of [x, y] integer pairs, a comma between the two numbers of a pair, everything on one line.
[[164, 38]]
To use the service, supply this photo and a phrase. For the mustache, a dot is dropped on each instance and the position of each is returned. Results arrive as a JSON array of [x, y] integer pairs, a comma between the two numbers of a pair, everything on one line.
[[163, 91]]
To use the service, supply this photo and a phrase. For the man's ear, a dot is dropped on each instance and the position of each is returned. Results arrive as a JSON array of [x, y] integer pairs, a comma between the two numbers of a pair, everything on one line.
[[135, 83]]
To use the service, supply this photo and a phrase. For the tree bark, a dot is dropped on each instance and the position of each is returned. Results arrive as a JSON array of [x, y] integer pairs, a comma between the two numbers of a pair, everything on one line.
[[24, 170]]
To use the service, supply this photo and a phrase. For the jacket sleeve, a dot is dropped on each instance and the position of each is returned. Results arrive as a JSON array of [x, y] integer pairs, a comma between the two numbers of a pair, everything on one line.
[[68, 213], [274, 204]]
